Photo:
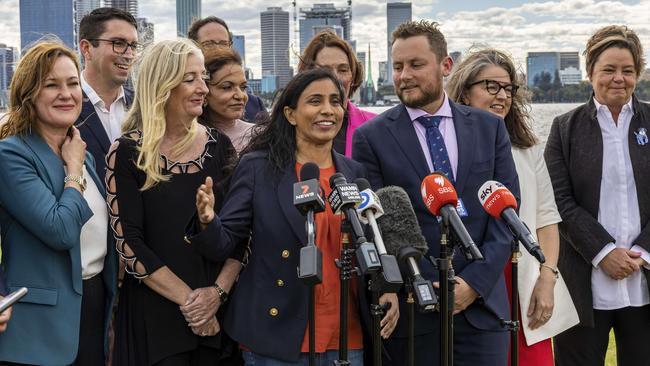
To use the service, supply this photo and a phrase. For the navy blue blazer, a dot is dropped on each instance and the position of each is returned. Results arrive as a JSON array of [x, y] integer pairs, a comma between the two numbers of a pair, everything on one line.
[[389, 148], [94, 135], [40, 224], [254, 108], [267, 311]]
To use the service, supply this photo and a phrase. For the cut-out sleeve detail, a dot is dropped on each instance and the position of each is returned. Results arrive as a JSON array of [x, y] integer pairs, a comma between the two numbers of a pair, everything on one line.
[[125, 209]]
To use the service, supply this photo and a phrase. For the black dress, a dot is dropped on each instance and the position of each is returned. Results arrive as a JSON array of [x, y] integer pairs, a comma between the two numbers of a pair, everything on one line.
[[150, 328]]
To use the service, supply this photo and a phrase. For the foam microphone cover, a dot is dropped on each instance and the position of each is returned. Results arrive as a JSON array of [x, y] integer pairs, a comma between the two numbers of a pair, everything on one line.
[[399, 225], [495, 198], [309, 171], [437, 191]]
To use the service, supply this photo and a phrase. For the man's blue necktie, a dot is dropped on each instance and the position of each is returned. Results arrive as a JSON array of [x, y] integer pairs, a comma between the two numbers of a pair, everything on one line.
[[436, 143]]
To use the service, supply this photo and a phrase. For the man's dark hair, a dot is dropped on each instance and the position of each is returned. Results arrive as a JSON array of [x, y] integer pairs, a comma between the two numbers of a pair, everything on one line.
[[437, 42], [193, 32], [93, 25]]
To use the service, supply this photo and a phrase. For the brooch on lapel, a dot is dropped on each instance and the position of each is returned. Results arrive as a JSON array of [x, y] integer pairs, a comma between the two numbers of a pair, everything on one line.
[[641, 136]]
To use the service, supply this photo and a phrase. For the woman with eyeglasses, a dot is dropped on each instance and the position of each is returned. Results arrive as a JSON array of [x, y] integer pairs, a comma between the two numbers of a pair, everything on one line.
[[487, 79], [327, 50], [227, 97]]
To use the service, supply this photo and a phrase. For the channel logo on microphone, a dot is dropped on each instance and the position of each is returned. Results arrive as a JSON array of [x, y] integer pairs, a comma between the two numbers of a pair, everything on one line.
[[440, 181]]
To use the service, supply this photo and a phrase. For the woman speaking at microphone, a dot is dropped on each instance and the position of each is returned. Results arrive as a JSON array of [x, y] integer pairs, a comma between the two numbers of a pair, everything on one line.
[[268, 310], [487, 79]]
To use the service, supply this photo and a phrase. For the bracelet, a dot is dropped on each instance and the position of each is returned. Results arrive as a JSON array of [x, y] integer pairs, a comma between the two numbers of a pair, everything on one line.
[[554, 270], [223, 295]]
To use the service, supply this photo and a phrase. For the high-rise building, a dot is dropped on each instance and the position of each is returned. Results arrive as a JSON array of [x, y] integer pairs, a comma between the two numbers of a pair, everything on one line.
[[82, 8], [130, 6], [187, 11], [274, 24], [239, 45], [569, 59], [541, 62], [8, 56], [566, 64], [40, 18], [145, 32], [396, 14], [368, 92], [361, 56], [382, 78], [322, 16]]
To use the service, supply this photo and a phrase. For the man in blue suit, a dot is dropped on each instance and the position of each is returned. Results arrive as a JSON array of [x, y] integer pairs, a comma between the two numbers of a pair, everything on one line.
[[428, 132], [108, 41]]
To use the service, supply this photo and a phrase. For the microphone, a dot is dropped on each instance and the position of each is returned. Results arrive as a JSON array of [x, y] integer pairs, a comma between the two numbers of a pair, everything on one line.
[[404, 239], [441, 199], [500, 203], [344, 198], [369, 210], [308, 200]]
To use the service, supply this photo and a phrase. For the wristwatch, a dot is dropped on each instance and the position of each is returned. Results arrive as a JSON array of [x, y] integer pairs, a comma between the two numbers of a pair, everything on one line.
[[79, 179], [223, 295]]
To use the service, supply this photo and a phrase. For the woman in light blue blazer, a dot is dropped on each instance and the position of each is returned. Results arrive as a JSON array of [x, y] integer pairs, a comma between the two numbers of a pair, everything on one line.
[[53, 219]]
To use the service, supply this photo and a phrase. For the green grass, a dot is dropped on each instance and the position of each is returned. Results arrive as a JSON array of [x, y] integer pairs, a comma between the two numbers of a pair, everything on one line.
[[610, 359]]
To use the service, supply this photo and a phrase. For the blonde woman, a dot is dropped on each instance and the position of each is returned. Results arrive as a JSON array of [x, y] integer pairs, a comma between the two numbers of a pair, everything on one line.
[[167, 312]]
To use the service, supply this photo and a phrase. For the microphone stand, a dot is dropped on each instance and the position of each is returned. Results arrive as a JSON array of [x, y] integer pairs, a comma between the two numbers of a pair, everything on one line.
[[377, 312], [345, 274], [513, 325], [447, 287], [312, 293], [410, 317]]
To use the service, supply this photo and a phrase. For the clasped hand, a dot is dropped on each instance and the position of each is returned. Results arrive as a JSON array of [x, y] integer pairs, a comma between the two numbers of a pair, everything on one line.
[[621, 263], [200, 311]]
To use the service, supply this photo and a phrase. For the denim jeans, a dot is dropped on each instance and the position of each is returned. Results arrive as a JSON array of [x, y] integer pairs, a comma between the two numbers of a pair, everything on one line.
[[322, 359]]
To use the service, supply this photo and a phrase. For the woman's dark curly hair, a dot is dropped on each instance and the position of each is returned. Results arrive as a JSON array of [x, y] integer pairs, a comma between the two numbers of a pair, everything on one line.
[[275, 134]]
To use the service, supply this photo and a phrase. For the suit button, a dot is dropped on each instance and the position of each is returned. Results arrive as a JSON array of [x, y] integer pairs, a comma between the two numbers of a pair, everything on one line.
[[273, 312], [285, 254], [280, 283]]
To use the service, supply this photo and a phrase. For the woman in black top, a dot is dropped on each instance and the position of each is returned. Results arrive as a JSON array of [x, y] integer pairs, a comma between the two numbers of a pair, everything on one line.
[[152, 176]]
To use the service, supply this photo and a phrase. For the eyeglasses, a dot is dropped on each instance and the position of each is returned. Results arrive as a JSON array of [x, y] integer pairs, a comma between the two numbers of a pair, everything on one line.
[[494, 87], [119, 45], [211, 44]]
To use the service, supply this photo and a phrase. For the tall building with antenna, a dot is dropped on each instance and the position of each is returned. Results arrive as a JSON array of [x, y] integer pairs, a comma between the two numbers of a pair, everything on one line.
[[323, 16]]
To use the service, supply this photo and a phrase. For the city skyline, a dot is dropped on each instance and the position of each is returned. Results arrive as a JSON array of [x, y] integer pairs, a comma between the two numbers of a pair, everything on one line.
[[516, 26]]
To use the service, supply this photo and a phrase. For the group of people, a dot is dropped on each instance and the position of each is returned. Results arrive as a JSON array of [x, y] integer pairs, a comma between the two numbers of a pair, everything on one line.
[[157, 226]]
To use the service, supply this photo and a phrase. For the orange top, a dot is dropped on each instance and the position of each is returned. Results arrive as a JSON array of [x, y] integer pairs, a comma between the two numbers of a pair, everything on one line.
[[328, 293]]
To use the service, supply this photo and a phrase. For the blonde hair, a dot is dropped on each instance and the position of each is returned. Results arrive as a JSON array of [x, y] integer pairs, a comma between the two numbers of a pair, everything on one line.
[[618, 36], [161, 69], [27, 82]]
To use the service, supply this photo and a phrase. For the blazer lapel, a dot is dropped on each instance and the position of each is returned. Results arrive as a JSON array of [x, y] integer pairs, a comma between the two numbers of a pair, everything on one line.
[[638, 156], [465, 142], [89, 120], [401, 126], [285, 198], [587, 141], [51, 165]]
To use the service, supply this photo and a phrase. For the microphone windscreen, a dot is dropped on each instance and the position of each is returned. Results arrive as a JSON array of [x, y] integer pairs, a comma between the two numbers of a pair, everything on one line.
[[337, 178], [437, 191], [309, 171], [362, 183], [495, 197], [399, 225]]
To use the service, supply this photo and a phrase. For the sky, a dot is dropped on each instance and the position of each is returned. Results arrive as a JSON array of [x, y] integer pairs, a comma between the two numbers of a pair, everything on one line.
[[513, 25]]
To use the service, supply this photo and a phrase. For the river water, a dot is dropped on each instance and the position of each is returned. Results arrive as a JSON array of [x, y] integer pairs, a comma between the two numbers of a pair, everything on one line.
[[542, 115]]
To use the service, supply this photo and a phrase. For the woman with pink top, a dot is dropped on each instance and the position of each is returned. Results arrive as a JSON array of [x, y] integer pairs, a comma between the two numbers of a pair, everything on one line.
[[328, 50]]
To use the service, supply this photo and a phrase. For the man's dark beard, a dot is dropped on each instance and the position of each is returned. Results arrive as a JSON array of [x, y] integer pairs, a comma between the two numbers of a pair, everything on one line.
[[427, 98]]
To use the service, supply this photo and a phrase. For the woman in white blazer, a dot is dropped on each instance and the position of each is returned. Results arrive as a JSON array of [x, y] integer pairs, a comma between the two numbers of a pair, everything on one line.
[[487, 79]]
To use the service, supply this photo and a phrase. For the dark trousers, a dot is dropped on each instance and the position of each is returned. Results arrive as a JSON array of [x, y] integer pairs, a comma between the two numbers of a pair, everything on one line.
[[472, 347], [586, 346], [91, 333]]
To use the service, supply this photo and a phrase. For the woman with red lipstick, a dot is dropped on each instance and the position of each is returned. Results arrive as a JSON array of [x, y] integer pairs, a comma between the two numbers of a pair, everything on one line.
[[267, 313], [227, 97], [53, 218], [168, 307], [487, 79]]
